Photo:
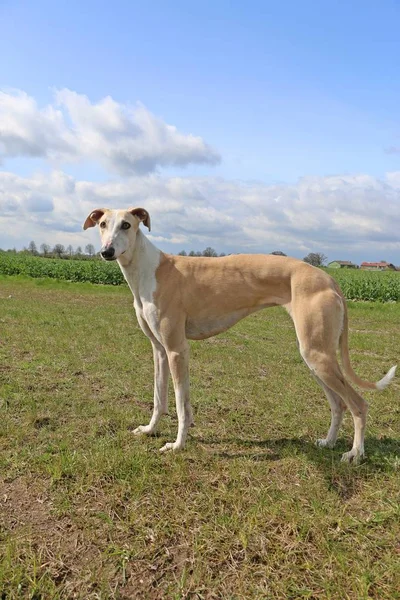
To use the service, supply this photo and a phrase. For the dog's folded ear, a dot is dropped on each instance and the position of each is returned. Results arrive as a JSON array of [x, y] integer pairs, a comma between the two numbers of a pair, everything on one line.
[[94, 217], [142, 215]]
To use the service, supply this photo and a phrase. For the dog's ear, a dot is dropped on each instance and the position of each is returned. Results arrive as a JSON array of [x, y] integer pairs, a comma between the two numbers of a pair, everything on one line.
[[94, 217], [141, 214]]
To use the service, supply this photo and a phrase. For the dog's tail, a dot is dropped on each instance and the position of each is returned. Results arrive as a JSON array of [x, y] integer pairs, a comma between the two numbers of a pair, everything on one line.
[[348, 369]]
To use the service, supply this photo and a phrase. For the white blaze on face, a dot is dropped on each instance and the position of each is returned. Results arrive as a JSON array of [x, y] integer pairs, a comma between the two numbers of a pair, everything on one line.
[[113, 234]]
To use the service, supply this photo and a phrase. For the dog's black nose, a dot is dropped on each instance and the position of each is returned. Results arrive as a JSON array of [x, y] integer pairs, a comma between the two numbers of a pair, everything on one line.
[[108, 252]]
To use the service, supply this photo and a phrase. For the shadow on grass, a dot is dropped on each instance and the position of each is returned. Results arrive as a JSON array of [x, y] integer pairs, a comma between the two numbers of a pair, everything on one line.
[[382, 456]]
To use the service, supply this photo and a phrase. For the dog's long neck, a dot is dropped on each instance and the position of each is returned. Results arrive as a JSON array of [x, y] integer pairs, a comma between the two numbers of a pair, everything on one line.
[[139, 270]]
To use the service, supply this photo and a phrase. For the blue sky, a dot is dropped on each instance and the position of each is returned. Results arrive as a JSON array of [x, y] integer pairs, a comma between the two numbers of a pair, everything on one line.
[[281, 91]]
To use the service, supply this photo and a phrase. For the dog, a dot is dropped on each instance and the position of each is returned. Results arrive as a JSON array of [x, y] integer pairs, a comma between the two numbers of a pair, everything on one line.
[[177, 298]]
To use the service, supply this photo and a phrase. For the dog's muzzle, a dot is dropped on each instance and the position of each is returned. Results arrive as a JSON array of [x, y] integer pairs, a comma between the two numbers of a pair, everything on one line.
[[108, 253]]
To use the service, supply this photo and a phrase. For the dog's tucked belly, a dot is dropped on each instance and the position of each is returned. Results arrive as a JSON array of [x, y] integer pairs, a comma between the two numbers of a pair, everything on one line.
[[205, 327]]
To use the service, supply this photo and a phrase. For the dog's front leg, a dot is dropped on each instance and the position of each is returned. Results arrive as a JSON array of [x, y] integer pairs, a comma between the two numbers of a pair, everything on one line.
[[179, 366], [161, 376]]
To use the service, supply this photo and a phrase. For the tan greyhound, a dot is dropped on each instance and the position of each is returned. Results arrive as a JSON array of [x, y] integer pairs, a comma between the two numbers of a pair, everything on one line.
[[178, 298]]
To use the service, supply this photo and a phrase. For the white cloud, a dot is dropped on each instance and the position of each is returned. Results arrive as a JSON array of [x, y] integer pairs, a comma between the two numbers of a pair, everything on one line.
[[393, 179], [123, 139], [25, 130], [337, 215]]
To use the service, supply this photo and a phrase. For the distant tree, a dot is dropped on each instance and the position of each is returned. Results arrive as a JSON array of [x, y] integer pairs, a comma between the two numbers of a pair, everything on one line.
[[198, 253], [182, 253], [70, 250], [209, 252], [279, 253], [32, 248], [59, 250], [222, 254], [78, 251], [45, 249], [317, 259], [90, 249], [192, 253]]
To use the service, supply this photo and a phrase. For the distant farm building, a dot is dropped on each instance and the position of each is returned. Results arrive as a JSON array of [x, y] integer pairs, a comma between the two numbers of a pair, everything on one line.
[[378, 266], [342, 264]]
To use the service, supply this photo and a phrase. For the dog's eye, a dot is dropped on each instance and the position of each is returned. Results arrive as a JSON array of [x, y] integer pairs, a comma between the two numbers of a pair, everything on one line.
[[125, 225], [102, 224]]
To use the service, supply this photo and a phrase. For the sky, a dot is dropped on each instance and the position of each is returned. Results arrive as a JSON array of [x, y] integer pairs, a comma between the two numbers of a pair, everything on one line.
[[246, 126]]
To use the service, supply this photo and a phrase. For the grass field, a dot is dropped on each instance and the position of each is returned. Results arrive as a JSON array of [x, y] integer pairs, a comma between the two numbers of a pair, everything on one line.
[[250, 510]]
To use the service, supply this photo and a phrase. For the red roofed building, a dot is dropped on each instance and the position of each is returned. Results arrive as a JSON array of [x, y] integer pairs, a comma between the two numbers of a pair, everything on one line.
[[377, 266]]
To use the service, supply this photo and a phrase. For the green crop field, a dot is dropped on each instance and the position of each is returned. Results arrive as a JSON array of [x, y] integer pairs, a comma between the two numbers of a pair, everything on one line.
[[383, 286], [92, 271], [356, 284], [250, 510]]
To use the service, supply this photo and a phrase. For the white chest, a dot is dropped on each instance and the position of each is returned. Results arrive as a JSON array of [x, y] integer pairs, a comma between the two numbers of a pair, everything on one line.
[[148, 319], [140, 275]]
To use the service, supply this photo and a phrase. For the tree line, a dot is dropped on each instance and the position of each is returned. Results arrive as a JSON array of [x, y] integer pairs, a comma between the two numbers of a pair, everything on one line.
[[57, 251], [207, 252], [317, 259]]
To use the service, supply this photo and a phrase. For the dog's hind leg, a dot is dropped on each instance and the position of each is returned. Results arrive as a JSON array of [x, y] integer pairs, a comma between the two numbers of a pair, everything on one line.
[[328, 370], [338, 408], [318, 329]]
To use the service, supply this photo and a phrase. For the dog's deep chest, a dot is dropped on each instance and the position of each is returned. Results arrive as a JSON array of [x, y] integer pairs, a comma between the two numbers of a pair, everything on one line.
[[205, 327]]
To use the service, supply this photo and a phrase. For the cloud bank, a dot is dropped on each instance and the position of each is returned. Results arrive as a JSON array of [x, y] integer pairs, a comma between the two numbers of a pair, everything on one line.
[[337, 215], [124, 140]]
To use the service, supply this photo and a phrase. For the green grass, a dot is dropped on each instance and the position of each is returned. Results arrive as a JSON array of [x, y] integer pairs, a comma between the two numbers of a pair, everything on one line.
[[251, 509]]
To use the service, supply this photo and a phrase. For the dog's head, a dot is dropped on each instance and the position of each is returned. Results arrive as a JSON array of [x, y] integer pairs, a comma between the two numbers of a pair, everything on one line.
[[118, 229]]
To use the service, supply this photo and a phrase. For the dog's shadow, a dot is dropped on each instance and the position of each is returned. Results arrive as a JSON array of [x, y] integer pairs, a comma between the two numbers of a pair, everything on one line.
[[382, 456]]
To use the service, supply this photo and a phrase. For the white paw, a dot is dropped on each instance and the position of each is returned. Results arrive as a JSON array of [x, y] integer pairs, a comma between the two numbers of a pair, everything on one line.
[[143, 429], [354, 456], [174, 446], [324, 443]]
